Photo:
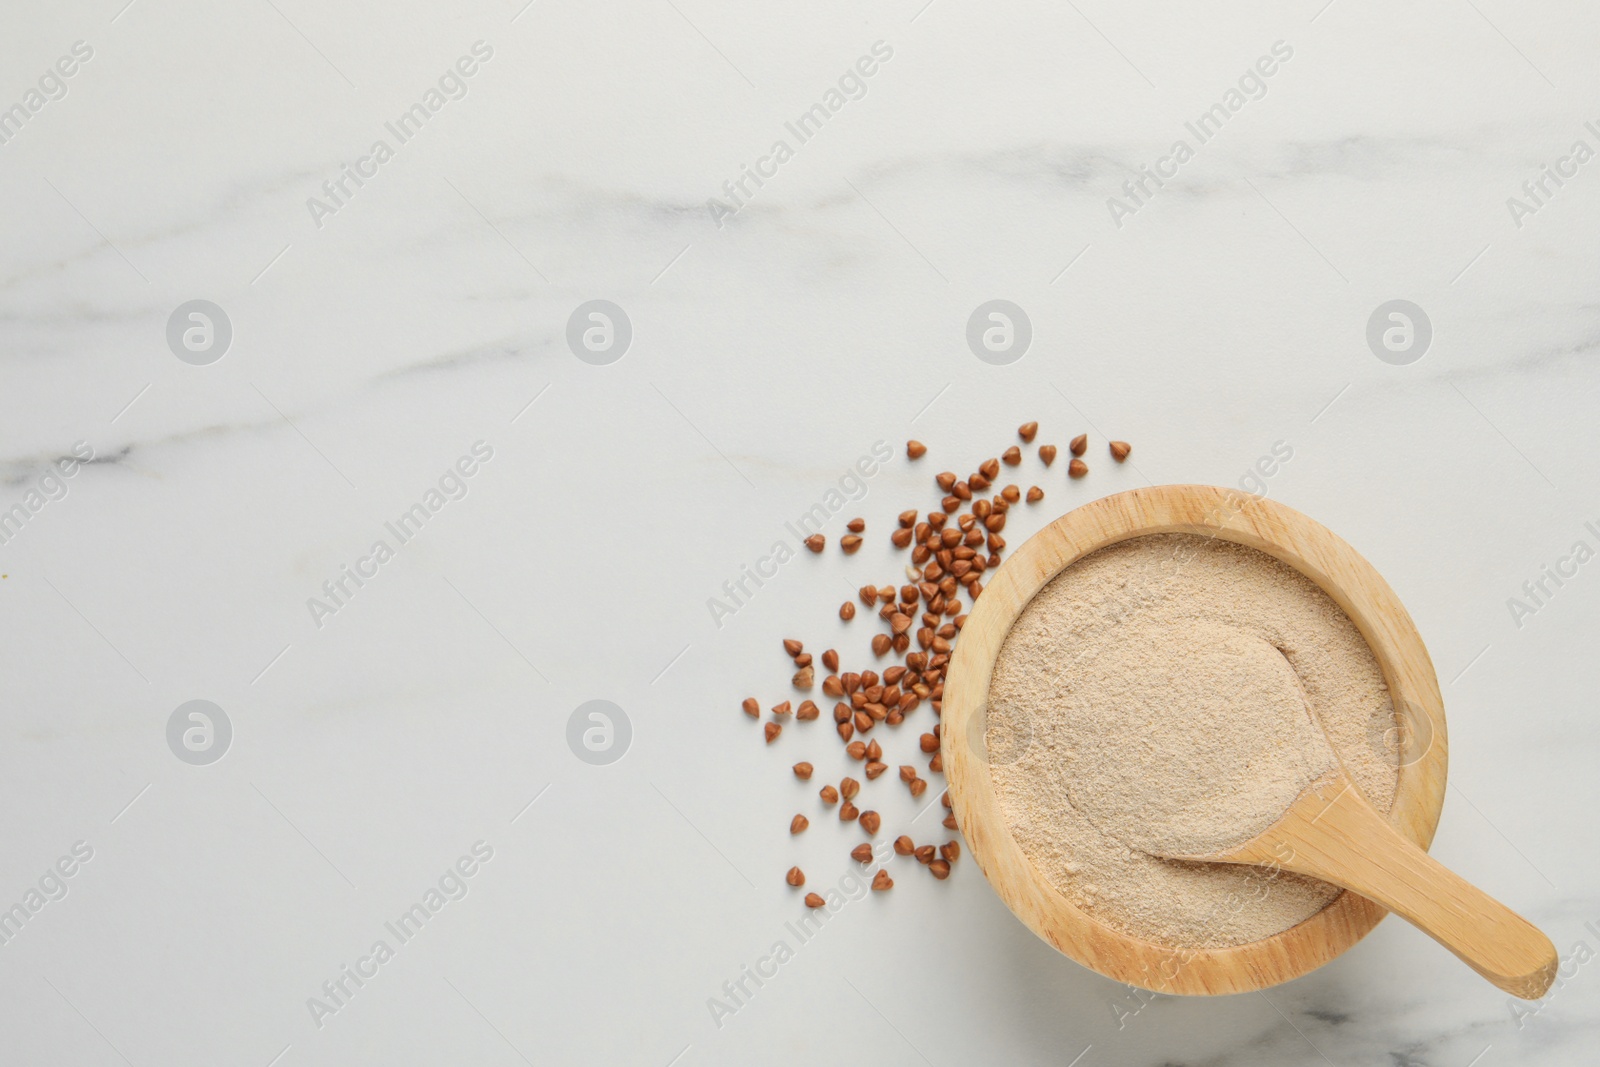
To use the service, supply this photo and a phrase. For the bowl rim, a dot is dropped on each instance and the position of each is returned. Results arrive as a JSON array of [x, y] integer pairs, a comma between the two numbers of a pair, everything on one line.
[[1285, 534]]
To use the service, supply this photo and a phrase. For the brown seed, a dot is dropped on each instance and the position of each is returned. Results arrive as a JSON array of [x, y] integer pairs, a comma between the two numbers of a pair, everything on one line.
[[907, 772], [899, 623], [816, 542], [850, 680], [918, 787], [900, 538], [847, 611], [882, 882], [870, 821], [814, 901], [849, 542], [856, 750], [876, 768], [1079, 444], [944, 798], [773, 730], [915, 449], [863, 721], [950, 850], [1011, 494], [1011, 456], [846, 730], [802, 771], [795, 877], [1120, 450], [1047, 453], [798, 823], [928, 742], [989, 468], [903, 846], [803, 660], [936, 764], [1077, 468], [1027, 431], [830, 660], [946, 480], [806, 676], [950, 822], [939, 869], [925, 854], [856, 525], [874, 750], [829, 795], [751, 707], [848, 811], [862, 853], [793, 647], [1035, 494], [807, 711], [781, 709], [848, 788], [831, 686], [996, 522], [881, 644]]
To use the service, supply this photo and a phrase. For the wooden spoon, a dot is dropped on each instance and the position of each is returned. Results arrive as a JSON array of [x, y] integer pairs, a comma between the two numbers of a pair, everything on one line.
[[1331, 832]]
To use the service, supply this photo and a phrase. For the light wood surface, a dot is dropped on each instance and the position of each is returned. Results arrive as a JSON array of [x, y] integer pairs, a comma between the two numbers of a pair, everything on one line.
[[1331, 832], [1301, 543]]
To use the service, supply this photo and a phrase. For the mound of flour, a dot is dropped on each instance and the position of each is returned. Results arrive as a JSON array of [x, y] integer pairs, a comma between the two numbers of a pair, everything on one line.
[[1160, 693]]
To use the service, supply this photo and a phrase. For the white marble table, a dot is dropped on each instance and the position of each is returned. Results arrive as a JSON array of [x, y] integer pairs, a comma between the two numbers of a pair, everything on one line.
[[537, 158]]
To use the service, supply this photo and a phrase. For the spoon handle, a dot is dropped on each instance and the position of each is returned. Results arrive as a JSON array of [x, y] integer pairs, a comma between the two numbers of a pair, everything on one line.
[[1331, 832]]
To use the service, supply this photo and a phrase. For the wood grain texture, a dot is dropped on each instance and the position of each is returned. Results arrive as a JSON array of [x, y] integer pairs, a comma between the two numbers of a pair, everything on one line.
[[1280, 532], [1331, 832]]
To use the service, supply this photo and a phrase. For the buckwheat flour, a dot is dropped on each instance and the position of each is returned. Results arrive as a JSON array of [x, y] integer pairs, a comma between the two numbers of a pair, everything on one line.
[[1157, 696]]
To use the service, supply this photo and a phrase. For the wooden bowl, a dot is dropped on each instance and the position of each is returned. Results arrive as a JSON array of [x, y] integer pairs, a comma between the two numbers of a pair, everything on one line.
[[1309, 548]]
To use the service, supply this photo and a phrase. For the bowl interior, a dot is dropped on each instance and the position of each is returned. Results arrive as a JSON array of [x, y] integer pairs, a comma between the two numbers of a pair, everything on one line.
[[1280, 532]]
